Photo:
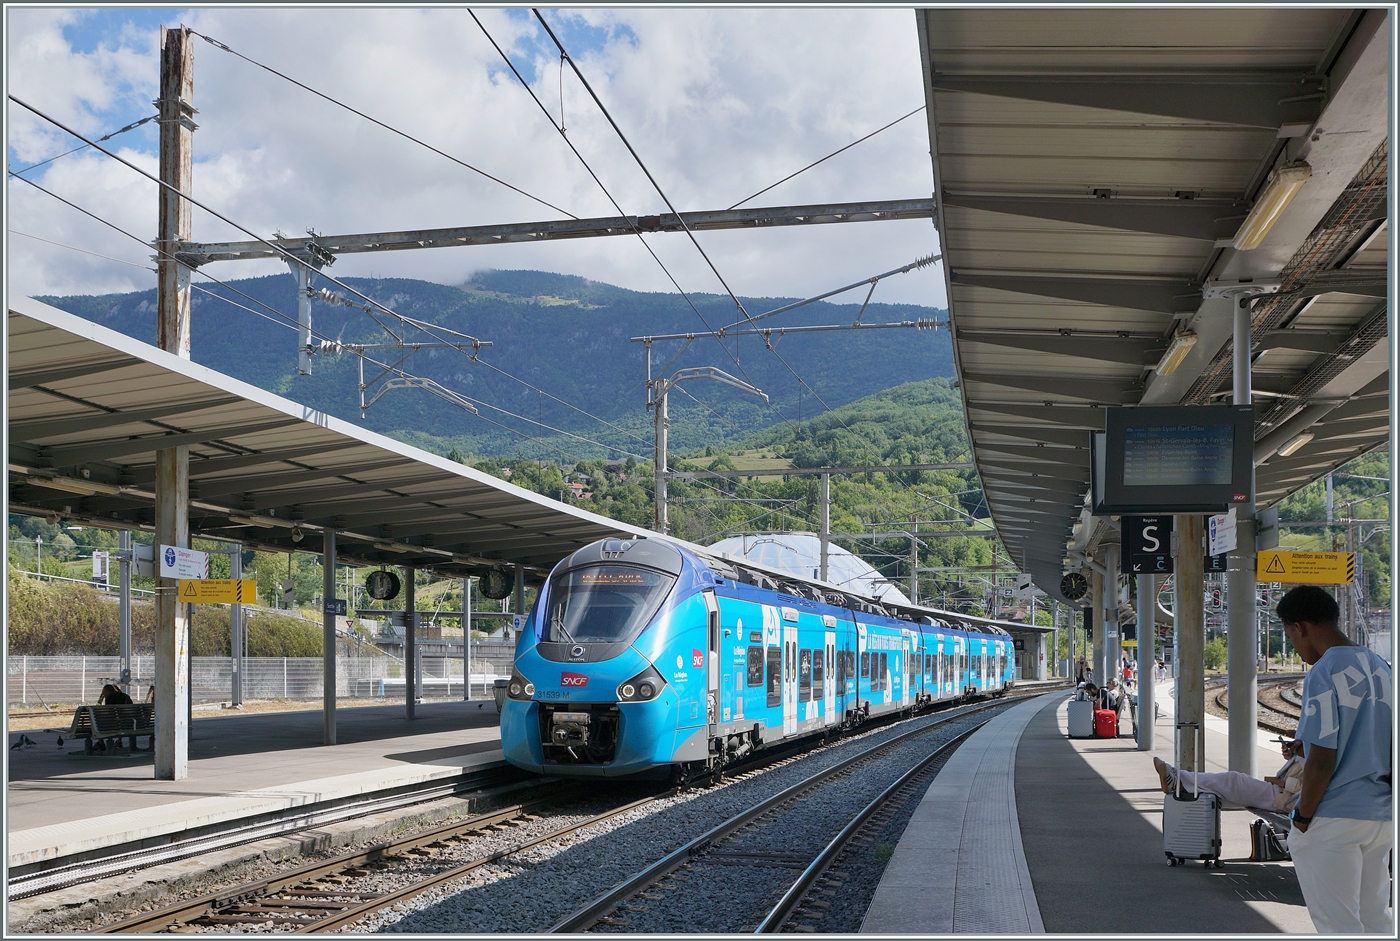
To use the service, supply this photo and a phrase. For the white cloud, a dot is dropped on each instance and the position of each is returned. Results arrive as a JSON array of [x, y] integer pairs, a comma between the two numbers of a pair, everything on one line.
[[719, 103]]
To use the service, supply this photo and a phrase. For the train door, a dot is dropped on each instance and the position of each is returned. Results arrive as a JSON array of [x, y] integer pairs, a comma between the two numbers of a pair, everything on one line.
[[985, 672], [906, 668], [959, 665], [862, 660], [712, 689], [829, 672], [790, 665]]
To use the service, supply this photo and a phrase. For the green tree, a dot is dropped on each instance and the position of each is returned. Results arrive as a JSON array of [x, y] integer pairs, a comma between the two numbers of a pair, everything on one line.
[[1216, 652]]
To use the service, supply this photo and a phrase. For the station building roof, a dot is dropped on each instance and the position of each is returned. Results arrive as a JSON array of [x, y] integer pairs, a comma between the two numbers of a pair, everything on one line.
[[1092, 167], [89, 407]]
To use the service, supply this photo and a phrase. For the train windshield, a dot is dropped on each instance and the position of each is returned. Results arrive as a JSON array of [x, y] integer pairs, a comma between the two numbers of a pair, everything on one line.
[[602, 604]]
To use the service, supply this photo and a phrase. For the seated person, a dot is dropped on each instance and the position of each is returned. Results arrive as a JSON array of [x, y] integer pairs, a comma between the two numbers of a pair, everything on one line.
[[1277, 792], [1087, 691], [112, 695], [1112, 696]]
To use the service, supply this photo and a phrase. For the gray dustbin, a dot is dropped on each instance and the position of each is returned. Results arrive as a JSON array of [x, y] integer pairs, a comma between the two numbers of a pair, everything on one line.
[[499, 692]]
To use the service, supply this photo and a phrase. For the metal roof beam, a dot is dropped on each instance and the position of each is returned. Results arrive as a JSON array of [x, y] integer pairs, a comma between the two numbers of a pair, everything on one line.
[[196, 253], [53, 428], [1067, 437], [1204, 219], [264, 482], [146, 474], [22, 379], [1242, 100], [1154, 295], [104, 450], [1088, 417], [1107, 391], [1073, 457], [309, 498], [816, 471], [1130, 351]]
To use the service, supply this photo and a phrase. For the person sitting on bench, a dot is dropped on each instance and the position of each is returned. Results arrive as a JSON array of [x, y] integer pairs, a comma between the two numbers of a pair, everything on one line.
[[1278, 792], [112, 695]]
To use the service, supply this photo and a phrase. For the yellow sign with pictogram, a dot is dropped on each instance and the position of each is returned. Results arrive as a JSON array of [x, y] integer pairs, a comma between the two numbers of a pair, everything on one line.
[[219, 590], [1306, 568]]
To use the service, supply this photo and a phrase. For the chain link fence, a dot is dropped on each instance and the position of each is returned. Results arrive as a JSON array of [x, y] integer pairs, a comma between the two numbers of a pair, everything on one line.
[[43, 681]]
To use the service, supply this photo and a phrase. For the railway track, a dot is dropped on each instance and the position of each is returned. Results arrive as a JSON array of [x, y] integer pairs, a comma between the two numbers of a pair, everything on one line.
[[334, 893], [762, 841], [1277, 713]]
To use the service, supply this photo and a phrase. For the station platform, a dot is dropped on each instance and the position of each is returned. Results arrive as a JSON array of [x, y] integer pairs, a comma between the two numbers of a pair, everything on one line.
[[62, 802], [1027, 831]]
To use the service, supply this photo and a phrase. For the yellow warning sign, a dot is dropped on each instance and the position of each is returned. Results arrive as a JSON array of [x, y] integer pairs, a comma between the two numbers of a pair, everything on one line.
[[1306, 568], [219, 590]]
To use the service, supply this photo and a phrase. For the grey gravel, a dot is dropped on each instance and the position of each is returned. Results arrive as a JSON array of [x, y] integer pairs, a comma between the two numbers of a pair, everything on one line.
[[532, 890]]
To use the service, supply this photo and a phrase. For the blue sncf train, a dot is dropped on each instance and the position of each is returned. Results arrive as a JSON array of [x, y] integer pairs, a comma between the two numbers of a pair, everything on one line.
[[642, 657]]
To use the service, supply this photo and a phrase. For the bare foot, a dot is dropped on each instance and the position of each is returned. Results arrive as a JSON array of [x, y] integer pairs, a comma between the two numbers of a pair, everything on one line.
[[1162, 773]]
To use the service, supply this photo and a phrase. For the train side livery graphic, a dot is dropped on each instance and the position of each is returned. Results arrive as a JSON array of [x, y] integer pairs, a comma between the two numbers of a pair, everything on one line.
[[644, 658]]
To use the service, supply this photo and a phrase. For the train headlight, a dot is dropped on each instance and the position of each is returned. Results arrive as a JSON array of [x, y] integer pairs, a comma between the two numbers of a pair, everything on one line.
[[643, 687], [519, 687]]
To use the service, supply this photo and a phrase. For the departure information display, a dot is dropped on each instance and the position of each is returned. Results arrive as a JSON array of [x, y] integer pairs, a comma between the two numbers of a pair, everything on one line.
[[1177, 455]]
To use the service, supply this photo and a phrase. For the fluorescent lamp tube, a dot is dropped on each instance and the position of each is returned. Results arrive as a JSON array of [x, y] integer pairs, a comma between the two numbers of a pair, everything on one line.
[[1182, 343], [261, 521], [1296, 444], [1283, 185]]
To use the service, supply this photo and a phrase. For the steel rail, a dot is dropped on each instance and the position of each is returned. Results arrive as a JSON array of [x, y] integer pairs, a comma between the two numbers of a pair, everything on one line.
[[789, 902], [589, 914], [76, 873], [192, 909]]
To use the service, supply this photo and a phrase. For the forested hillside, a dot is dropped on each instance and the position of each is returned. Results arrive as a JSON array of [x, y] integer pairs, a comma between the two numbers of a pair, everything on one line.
[[567, 338]]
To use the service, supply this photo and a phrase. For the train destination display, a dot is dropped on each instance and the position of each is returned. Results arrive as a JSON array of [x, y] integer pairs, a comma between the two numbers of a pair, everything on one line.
[[1172, 459]]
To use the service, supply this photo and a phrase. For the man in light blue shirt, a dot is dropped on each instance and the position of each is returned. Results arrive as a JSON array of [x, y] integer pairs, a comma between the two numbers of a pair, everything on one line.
[[1341, 834]]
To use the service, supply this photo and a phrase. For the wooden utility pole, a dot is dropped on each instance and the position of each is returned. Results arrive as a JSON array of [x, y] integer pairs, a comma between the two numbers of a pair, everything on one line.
[[1190, 634], [173, 335]]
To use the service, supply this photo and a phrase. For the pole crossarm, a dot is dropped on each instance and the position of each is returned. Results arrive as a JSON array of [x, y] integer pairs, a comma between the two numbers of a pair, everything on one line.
[[196, 254], [923, 323], [707, 372], [813, 471]]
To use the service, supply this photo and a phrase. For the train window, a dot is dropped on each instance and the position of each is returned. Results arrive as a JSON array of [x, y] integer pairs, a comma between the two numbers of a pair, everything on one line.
[[804, 676], [603, 603], [755, 671], [841, 668], [865, 663], [818, 668], [884, 668], [775, 677]]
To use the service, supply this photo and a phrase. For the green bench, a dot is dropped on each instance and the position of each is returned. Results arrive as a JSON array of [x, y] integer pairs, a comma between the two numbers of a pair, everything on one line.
[[105, 723]]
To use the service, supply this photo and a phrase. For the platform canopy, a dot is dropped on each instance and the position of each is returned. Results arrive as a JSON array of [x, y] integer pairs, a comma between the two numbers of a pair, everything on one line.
[[89, 407], [1092, 169]]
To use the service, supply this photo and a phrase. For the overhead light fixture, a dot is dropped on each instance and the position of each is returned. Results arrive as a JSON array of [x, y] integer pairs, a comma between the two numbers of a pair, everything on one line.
[[395, 547], [1183, 341], [1284, 184], [69, 485], [262, 521], [1296, 444]]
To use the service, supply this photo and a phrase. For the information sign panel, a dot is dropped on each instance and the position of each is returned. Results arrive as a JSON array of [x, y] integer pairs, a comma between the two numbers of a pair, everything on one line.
[[219, 590], [1306, 568], [1223, 533], [183, 563], [1147, 545], [1172, 459], [333, 606], [1217, 563]]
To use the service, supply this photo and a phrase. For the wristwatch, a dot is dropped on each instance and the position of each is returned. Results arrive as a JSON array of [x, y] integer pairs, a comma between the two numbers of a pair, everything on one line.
[[1299, 818]]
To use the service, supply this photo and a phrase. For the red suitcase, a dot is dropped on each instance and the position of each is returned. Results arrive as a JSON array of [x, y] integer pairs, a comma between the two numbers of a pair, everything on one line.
[[1105, 723]]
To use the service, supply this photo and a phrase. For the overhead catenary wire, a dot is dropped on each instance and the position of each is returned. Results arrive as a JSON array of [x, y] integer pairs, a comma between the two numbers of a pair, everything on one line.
[[388, 127], [834, 153], [75, 248], [130, 127], [291, 322]]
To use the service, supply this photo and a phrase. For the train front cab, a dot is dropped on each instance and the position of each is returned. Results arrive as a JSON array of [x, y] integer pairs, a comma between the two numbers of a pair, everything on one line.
[[616, 672]]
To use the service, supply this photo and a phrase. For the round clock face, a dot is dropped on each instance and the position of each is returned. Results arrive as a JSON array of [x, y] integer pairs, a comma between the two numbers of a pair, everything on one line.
[[496, 584], [1074, 586], [382, 585]]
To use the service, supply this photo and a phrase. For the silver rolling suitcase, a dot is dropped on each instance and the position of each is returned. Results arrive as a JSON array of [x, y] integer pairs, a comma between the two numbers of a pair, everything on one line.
[[1081, 718], [1191, 822]]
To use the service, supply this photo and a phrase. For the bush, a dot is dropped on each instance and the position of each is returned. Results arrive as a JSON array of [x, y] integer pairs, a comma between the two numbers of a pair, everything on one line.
[[1216, 654]]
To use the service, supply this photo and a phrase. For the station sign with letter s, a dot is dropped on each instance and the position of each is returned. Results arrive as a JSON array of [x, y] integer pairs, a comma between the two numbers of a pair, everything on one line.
[[1147, 545]]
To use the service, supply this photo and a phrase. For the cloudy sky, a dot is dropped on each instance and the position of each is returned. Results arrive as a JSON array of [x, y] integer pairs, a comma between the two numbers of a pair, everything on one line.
[[718, 103]]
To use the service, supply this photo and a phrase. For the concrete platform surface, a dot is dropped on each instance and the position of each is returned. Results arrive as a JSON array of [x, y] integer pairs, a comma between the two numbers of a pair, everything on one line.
[[1029, 831], [61, 801]]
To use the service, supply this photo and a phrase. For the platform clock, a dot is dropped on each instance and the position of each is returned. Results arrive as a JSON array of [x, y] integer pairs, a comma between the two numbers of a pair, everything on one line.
[[1074, 586]]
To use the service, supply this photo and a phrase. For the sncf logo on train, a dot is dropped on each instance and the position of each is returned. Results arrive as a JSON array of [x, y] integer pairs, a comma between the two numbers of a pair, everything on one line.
[[572, 679], [697, 658]]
